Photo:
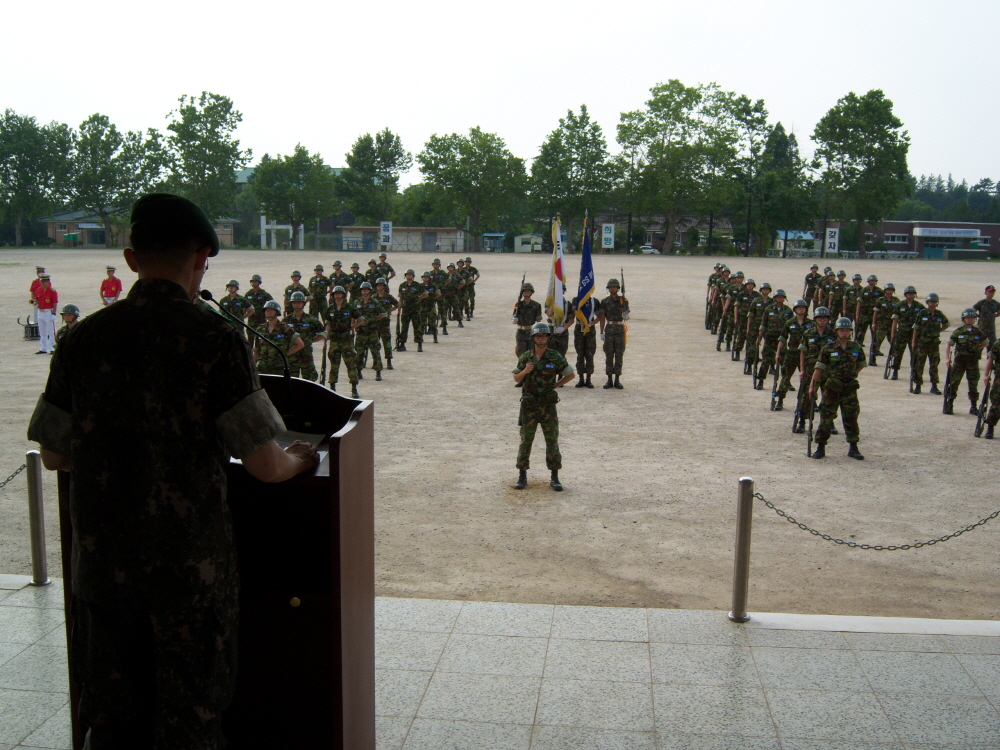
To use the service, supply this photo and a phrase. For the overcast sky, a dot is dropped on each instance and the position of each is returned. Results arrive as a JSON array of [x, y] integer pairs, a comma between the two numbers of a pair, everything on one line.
[[324, 73]]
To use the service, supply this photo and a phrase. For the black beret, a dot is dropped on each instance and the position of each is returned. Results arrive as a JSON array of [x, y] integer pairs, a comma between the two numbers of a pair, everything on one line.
[[166, 221]]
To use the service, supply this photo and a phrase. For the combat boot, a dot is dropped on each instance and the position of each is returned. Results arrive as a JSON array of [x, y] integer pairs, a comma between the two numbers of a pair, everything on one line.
[[791, 388], [834, 431], [610, 383], [974, 410], [853, 452], [388, 363], [949, 407], [361, 374], [556, 485], [435, 338], [781, 403], [460, 324], [736, 355], [589, 384], [378, 375], [354, 390], [718, 346], [582, 383], [819, 451], [989, 432], [916, 390], [444, 330], [333, 386], [420, 346], [727, 346], [895, 374], [871, 361], [468, 316], [522, 480], [618, 384], [934, 389]]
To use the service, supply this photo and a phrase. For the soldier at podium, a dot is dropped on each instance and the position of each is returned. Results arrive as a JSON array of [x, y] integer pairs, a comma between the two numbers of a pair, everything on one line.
[[146, 432]]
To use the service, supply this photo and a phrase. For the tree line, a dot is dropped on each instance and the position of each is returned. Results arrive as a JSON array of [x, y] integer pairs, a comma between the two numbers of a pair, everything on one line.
[[689, 150]]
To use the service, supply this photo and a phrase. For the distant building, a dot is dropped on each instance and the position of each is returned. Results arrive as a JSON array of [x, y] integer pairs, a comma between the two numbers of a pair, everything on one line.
[[83, 229], [528, 243], [949, 240], [797, 240], [404, 239]]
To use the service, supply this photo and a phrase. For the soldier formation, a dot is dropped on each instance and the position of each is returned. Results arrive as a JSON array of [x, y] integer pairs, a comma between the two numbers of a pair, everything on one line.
[[780, 340]]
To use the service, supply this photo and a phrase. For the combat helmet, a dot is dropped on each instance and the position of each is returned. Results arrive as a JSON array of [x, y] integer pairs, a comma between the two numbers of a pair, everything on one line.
[[738, 275], [844, 323], [425, 275], [70, 309], [827, 271], [383, 255], [910, 290], [764, 286], [410, 272], [780, 293], [233, 282], [526, 286], [337, 263], [272, 305], [450, 265], [540, 328], [612, 283], [822, 312], [436, 262], [319, 268], [297, 273], [381, 281], [748, 282], [800, 303], [873, 277], [256, 277], [355, 265], [468, 259], [366, 285], [841, 272], [969, 312], [856, 277], [891, 286], [339, 290], [932, 297], [297, 297], [372, 260]]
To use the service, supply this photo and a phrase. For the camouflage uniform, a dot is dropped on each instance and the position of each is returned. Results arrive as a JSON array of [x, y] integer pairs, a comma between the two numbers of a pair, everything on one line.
[[993, 416], [452, 290], [319, 289], [473, 274], [527, 314], [366, 336], [813, 342], [257, 299], [988, 310], [237, 307], [755, 315], [389, 303], [538, 405], [372, 275], [837, 293], [585, 344], [869, 298], [968, 343], [149, 429], [744, 304], [883, 320], [303, 363], [727, 325], [771, 325], [792, 334], [289, 291], [851, 298], [337, 279], [64, 329], [269, 362], [825, 289], [928, 327], [428, 307], [354, 280], [839, 383], [906, 313], [385, 271], [463, 293], [812, 282], [341, 341], [439, 278], [614, 309], [409, 298]]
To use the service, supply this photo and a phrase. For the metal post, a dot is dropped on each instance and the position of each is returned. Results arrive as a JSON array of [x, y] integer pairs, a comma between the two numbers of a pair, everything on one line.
[[36, 521], [741, 567]]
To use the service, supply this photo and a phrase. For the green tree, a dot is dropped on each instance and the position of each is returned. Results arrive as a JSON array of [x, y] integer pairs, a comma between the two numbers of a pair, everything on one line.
[[749, 119], [297, 189], [204, 155], [786, 191], [110, 170], [476, 174], [863, 148], [371, 180], [572, 172], [420, 205], [34, 167]]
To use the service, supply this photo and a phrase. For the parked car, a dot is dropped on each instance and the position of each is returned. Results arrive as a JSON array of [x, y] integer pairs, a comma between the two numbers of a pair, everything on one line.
[[649, 250]]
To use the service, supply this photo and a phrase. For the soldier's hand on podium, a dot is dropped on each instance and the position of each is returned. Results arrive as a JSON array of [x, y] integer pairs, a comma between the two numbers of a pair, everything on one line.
[[305, 452]]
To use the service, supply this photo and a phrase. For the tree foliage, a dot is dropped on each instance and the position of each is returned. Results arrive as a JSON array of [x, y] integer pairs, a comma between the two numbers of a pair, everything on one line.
[[204, 155], [297, 189], [371, 180], [786, 194]]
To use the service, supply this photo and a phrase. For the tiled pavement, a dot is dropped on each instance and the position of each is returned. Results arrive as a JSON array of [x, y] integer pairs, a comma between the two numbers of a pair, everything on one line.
[[467, 675]]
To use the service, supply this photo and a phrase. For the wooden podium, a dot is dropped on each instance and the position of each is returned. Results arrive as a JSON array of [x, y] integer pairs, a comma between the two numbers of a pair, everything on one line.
[[307, 584]]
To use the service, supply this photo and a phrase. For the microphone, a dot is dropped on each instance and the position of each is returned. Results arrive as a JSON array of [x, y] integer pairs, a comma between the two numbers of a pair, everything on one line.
[[205, 294]]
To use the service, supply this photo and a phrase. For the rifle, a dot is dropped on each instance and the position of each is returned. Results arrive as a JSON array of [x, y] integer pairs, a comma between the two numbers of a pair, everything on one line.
[[871, 351], [799, 420], [398, 334], [947, 387], [889, 357], [774, 386], [913, 369], [981, 418], [623, 280], [708, 314], [322, 374], [809, 434]]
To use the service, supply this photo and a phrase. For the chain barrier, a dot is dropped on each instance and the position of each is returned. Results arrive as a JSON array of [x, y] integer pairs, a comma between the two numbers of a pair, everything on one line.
[[8, 479], [876, 547]]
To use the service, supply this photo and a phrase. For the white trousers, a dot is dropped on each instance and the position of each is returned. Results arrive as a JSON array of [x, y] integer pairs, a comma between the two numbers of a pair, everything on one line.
[[47, 330]]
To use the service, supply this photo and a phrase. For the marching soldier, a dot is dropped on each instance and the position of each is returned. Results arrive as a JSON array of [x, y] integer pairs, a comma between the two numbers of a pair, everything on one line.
[[354, 281], [988, 310], [926, 343], [470, 284], [236, 305], [814, 340], [439, 277], [366, 335], [452, 284], [340, 318], [295, 286], [410, 294], [743, 305], [788, 345], [428, 305], [730, 293], [338, 277], [258, 298], [993, 415], [385, 271], [838, 367], [70, 315], [527, 312], [882, 320], [865, 311], [613, 318], [718, 298], [269, 362], [710, 296], [463, 291], [968, 341], [540, 370], [835, 298], [319, 290], [812, 282], [111, 287], [585, 344], [771, 326], [389, 305], [310, 330], [825, 287], [755, 315], [852, 299], [372, 275], [903, 317]]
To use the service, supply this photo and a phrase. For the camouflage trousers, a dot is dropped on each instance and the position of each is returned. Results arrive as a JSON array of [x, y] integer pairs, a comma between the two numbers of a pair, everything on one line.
[[470, 304], [930, 353], [586, 346], [614, 350], [560, 341], [463, 303], [455, 306], [863, 326], [365, 342], [726, 327], [964, 368], [904, 339], [303, 364], [846, 401], [317, 308], [989, 328], [444, 309], [881, 332], [385, 335], [789, 366], [740, 336], [429, 318], [768, 350], [273, 366], [993, 416], [410, 316], [531, 417], [522, 342], [157, 677], [341, 347]]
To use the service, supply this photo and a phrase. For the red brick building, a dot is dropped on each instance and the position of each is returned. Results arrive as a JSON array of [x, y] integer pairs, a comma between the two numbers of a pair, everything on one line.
[[82, 229]]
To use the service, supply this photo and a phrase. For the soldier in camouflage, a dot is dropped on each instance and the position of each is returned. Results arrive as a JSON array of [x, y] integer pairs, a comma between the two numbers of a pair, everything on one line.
[[988, 310], [613, 317], [540, 370], [410, 294], [825, 288], [366, 336], [585, 342], [472, 276], [882, 320], [70, 315], [338, 278], [428, 305], [463, 291], [389, 305], [295, 286], [768, 333], [728, 326], [269, 361], [319, 292], [926, 343], [257, 297], [340, 324], [904, 314], [743, 305], [837, 373], [812, 282], [527, 312], [310, 330], [852, 299], [453, 294], [865, 310], [813, 342], [787, 356], [236, 305], [837, 293], [385, 271], [354, 281], [755, 314], [968, 342], [993, 415], [439, 277]]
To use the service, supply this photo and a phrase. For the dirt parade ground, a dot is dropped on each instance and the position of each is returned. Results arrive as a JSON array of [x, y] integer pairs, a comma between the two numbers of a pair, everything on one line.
[[648, 514]]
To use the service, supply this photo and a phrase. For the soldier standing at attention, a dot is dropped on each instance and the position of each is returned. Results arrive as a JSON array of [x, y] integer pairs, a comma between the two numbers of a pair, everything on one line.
[[372, 274], [710, 296], [310, 330], [926, 344], [742, 304], [340, 318], [319, 291], [835, 297], [385, 271], [988, 310], [812, 282], [585, 344], [968, 341], [852, 299], [47, 300], [428, 304], [449, 299], [903, 317], [70, 315], [366, 338], [865, 311], [755, 314], [456, 283], [527, 312], [825, 287], [540, 370], [338, 277], [258, 298], [882, 320], [728, 326], [389, 305], [269, 362], [354, 281], [613, 317], [788, 345], [463, 290], [771, 326], [295, 286], [410, 293], [838, 367], [439, 277], [36, 284], [993, 415], [473, 276], [814, 340], [236, 305], [111, 287]]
